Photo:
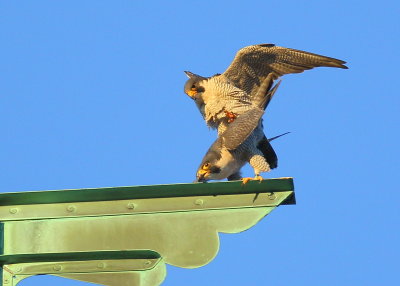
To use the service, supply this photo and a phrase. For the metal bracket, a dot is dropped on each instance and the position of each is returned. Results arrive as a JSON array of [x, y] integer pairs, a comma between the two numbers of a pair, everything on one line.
[[177, 223], [116, 268]]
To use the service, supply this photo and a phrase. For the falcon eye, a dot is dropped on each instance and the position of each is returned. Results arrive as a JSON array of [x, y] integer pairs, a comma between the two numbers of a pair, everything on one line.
[[206, 166], [193, 87]]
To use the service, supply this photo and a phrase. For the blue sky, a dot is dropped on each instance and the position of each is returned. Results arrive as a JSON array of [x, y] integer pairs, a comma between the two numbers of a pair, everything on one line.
[[91, 95]]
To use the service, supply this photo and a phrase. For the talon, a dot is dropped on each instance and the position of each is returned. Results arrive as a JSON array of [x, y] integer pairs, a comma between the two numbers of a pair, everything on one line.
[[246, 180], [231, 116], [258, 178]]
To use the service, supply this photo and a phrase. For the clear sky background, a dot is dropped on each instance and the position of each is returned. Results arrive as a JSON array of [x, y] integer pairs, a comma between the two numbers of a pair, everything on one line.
[[91, 95]]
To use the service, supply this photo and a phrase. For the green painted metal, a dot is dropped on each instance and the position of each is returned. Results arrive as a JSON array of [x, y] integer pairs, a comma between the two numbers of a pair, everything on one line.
[[1, 250], [143, 192], [115, 268], [78, 256], [176, 224], [1, 238]]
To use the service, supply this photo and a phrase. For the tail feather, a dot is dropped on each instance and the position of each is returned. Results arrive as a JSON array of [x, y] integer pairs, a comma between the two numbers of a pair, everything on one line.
[[276, 137], [268, 152]]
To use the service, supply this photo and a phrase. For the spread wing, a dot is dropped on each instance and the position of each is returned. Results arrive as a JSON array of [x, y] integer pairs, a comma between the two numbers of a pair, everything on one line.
[[253, 63]]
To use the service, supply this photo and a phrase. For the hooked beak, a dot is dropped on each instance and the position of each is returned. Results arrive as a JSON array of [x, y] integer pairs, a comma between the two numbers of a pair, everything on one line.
[[192, 93], [201, 176]]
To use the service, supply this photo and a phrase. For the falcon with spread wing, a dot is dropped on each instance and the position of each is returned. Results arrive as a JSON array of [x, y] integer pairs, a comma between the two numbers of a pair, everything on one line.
[[223, 97]]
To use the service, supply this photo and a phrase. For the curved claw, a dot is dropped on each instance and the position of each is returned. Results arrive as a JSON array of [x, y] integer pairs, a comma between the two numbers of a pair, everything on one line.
[[246, 180], [256, 178]]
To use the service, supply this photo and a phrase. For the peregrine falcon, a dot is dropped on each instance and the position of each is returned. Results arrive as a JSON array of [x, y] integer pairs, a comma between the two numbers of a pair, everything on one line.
[[223, 97], [242, 141]]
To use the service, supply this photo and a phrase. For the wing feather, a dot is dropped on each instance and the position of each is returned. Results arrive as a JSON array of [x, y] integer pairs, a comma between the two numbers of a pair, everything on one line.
[[253, 63], [238, 131]]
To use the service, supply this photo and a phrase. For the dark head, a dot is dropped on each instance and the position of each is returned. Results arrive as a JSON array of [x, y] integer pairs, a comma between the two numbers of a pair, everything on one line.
[[210, 168], [207, 171], [192, 85]]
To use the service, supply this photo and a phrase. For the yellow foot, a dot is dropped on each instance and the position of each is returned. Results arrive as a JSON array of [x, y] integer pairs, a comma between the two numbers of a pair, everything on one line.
[[231, 116], [246, 180], [256, 178]]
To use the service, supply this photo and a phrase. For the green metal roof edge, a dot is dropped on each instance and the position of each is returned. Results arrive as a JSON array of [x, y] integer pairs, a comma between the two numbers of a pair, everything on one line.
[[1, 238], [79, 256], [149, 191]]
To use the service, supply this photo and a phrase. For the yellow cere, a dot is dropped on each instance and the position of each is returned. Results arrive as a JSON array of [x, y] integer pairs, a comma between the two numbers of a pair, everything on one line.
[[192, 92], [201, 172]]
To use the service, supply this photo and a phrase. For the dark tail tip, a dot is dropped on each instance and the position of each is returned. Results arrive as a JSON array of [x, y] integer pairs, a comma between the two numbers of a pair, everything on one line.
[[276, 137]]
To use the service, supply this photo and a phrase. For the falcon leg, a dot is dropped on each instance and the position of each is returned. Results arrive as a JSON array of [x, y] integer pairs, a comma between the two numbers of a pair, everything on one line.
[[258, 178]]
